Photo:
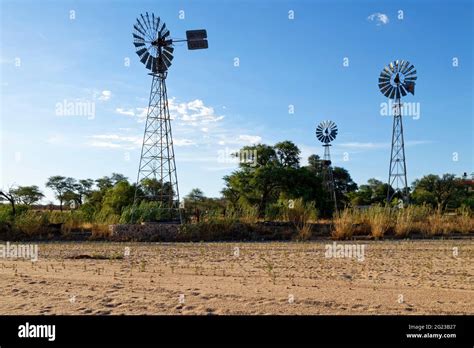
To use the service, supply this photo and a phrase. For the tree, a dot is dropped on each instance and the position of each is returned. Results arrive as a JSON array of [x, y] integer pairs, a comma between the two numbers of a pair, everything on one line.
[[27, 194], [118, 197], [83, 189], [61, 187], [196, 195], [288, 154], [10, 197], [343, 185], [374, 192], [435, 190]]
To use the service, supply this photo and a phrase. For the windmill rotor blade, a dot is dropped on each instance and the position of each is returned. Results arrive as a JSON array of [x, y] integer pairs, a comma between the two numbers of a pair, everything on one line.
[[409, 69], [168, 49], [386, 89], [138, 29], [153, 20], [404, 67], [411, 75], [392, 93], [145, 57], [139, 44], [144, 21], [148, 62], [148, 21], [411, 79], [141, 24], [165, 34], [166, 61], [163, 27], [157, 23], [168, 55], [141, 51], [402, 89], [138, 37]]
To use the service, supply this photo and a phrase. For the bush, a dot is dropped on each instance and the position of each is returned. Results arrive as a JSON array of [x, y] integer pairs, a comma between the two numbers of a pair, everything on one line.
[[379, 220], [344, 225]]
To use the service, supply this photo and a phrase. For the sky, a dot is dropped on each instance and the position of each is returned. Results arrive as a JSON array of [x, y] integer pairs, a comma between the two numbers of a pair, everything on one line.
[[273, 71]]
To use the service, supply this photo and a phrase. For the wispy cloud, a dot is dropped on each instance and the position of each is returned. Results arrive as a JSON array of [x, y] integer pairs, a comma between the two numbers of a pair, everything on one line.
[[126, 112], [372, 146], [194, 113], [105, 95], [378, 18]]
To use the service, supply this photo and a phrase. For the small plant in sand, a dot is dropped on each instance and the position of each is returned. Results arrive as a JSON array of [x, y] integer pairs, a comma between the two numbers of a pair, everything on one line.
[[270, 269], [343, 225]]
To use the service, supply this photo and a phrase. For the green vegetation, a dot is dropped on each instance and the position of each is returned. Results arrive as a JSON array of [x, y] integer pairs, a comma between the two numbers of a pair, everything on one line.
[[270, 184]]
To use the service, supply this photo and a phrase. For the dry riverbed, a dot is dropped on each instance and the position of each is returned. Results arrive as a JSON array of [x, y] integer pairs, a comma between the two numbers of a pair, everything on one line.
[[391, 277]]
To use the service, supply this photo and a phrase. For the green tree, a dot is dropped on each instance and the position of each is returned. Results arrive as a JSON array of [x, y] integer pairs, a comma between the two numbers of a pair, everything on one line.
[[436, 191], [27, 194], [62, 188]]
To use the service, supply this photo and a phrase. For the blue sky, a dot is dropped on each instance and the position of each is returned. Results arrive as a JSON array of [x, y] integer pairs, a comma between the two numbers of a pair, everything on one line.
[[47, 59]]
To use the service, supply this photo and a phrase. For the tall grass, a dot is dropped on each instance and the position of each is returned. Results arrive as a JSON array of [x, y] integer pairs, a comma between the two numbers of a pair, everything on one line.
[[344, 224], [379, 221], [301, 214]]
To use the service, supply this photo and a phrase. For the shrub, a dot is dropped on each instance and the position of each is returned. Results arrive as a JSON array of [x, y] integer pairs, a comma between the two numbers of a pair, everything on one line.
[[379, 220], [343, 225]]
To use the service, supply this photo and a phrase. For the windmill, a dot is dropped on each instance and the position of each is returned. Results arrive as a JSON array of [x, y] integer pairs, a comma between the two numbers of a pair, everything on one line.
[[326, 132], [154, 46], [396, 81]]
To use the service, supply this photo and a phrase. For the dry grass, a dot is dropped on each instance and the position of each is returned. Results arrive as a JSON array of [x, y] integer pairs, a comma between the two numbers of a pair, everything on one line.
[[379, 220], [344, 225]]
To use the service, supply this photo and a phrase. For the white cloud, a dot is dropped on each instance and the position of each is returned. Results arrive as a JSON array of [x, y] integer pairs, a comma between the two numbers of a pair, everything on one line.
[[105, 95], [194, 113], [371, 146], [252, 139], [126, 112], [115, 141], [378, 18], [183, 142], [242, 139]]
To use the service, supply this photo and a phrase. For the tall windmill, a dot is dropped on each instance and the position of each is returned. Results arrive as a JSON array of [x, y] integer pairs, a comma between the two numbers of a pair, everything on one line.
[[326, 132], [396, 81], [157, 166]]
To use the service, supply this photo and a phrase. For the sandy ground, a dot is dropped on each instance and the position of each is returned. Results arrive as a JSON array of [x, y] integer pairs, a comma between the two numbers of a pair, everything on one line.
[[395, 277]]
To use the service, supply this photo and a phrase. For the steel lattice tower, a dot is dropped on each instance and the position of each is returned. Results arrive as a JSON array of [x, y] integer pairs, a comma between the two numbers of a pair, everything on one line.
[[157, 179], [397, 174], [326, 132], [157, 159], [395, 81], [328, 178]]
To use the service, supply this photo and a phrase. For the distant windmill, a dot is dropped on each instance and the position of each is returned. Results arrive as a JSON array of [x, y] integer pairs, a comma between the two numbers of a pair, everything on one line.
[[326, 132], [155, 48], [397, 80]]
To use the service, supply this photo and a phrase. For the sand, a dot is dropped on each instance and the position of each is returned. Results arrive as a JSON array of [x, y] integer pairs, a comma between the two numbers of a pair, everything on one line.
[[394, 277]]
